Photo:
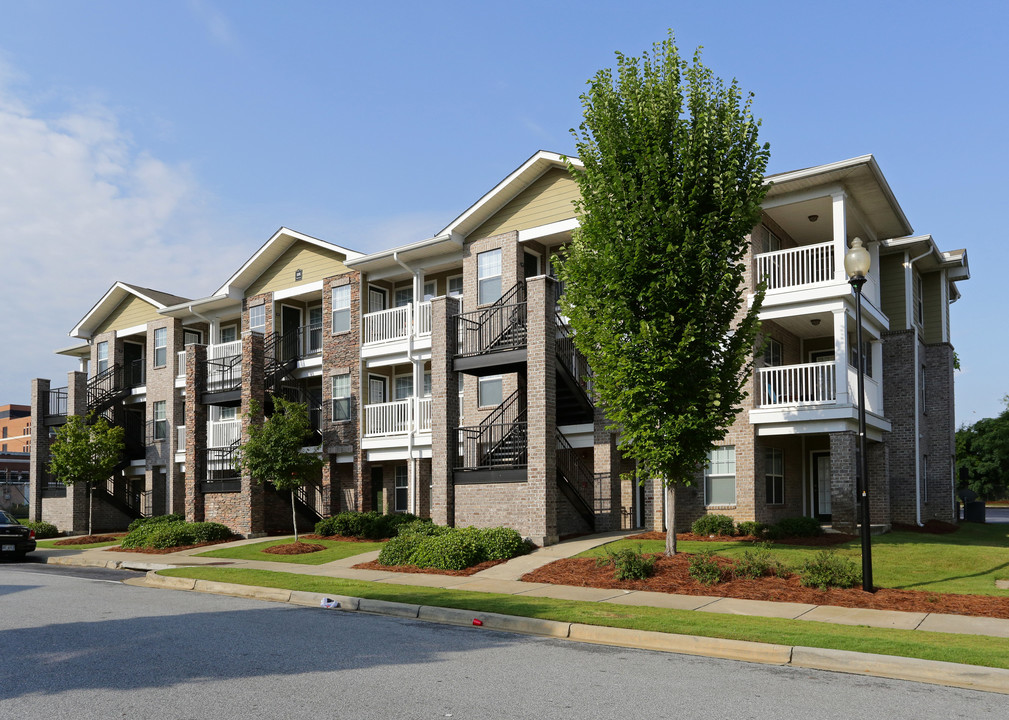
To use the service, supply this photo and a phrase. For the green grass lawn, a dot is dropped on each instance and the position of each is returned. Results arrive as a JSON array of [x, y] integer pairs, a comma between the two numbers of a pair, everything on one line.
[[335, 550], [967, 649], [51, 543], [965, 562]]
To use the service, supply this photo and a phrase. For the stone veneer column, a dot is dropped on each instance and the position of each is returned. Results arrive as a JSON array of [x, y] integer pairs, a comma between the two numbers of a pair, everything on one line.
[[606, 466], [444, 409], [39, 446], [77, 494], [541, 410], [196, 431], [842, 481], [251, 517]]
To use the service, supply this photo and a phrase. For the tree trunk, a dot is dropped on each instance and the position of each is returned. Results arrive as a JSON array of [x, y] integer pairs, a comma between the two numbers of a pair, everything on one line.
[[294, 518], [91, 505], [670, 520]]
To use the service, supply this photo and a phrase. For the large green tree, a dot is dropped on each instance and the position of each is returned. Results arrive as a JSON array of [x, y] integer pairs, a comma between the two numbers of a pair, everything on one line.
[[86, 452], [273, 452], [671, 186], [982, 454]]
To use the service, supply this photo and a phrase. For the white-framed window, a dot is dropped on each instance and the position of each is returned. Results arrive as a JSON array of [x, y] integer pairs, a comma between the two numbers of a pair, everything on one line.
[[160, 347], [488, 276], [430, 290], [402, 489], [160, 420], [378, 387], [720, 476], [866, 355], [314, 329], [403, 296], [103, 357], [341, 397], [490, 391], [376, 299], [257, 317], [774, 476], [427, 384], [773, 353], [227, 413], [229, 333], [773, 242], [919, 314], [192, 337], [455, 286], [402, 387], [341, 309]]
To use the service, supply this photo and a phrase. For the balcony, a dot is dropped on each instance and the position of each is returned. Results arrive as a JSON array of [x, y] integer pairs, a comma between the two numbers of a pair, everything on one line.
[[797, 267], [398, 418], [223, 433], [397, 323], [791, 385]]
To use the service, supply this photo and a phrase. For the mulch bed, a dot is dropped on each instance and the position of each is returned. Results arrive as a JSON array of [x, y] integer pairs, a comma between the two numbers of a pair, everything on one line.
[[342, 538], [167, 551], [88, 539], [818, 541], [374, 565], [671, 576], [295, 548]]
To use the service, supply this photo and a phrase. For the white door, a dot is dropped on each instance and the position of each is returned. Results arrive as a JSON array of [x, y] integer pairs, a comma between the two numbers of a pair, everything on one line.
[[376, 390]]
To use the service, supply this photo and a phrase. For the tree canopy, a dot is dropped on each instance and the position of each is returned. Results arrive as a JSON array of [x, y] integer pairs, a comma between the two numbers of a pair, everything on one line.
[[670, 189], [273, 452], [982, 454]]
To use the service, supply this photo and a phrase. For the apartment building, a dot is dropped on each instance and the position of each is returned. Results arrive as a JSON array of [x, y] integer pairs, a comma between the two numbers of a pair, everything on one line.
[[15, 428], [441, 378]]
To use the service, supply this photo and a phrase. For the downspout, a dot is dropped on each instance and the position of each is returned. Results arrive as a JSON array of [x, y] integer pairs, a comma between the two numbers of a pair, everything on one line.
[[203, 317], [917, 395], [413, 479]]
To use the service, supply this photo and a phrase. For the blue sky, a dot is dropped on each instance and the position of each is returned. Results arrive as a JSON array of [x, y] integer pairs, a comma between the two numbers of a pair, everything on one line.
[[162, 143]]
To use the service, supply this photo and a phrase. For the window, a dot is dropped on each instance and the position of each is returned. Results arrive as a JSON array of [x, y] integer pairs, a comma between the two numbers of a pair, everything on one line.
[[866, 355], [315, 329], [430, 290], [489, 391], [257, 318], [229, 413], [924, 479], [919, 316], [774, 476], [103, 357], [773, 242], [924, 410], [403, 387], [720, 476], [341, 309], [341, 397], [192, 337], [455, 286], [5, 431], [402, 489], [772, 353], [160, 420], [488, 276], [160, 347], [427, 384], [229, 333], [404, 296]]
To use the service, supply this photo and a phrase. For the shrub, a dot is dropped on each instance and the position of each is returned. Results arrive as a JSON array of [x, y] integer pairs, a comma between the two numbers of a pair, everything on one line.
[[750, 527], [173, 517], [798, 527], [757, 562], [400, 549], [713, 525], [629, 564], [371, 525], [828, 569], [161, 535], [501, 543], [455, 550], [19, 511], [703, 568], [43, 530]]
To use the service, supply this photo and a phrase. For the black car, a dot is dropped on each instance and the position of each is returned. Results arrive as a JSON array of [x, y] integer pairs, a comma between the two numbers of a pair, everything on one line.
[[15, 539]]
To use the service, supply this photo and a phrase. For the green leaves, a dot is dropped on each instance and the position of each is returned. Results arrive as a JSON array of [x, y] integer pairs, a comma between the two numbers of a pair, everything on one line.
[[85, 453], [273, 451]]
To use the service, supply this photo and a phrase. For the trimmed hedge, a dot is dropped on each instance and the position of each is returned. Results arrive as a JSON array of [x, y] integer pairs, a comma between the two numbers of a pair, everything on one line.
[[794, 527], [427, 545], [173, 517], [161, 535], [43, 530], [371, 525], [714, 525]]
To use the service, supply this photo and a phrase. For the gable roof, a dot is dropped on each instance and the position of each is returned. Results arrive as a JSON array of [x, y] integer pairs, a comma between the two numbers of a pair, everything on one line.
[[111, 300], [271, 250]]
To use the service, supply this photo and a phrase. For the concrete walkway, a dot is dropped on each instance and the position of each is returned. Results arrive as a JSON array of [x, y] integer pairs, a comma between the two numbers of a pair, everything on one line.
[[505, 579]]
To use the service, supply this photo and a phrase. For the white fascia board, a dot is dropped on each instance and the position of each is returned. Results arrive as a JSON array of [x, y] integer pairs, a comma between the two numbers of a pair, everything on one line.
[[798, 196], [75, 351], [298, 290], [115, 295], [548, 229], [387, 256], [804, 173], [135, 330]]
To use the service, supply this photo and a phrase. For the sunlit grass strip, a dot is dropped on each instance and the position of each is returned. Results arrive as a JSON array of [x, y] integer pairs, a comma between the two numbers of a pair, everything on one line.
[[335, 550], [966, 649]]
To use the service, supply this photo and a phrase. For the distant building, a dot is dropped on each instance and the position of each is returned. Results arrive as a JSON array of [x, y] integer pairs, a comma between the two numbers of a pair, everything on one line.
[[15, 428], [14, 479]]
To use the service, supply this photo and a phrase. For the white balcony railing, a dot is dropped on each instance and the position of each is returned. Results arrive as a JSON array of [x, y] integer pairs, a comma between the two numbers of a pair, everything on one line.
[[180, 438], [398, 418], [424, 318], [223, 350], [223, 433], [386, 325], [806, 384], [180, 363], [796, 267]]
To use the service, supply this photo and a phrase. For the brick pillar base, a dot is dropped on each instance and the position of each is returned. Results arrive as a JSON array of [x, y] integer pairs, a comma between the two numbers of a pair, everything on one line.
[[842, 481]]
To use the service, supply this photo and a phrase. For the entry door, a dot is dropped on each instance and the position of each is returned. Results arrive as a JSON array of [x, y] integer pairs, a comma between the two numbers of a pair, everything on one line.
[[821, 485], [376, 390], [376, 489], [531, 265], [290, 321], [133, 362]]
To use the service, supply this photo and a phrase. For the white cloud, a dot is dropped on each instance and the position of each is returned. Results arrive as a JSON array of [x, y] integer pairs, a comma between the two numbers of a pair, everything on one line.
[[82, 207], [216, 23]]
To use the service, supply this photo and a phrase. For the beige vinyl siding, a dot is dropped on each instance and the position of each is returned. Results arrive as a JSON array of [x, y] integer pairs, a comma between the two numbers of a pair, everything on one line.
[[314, 262], [931, 298], [130, 312], [549, 199], [891, 273], [949, 328]]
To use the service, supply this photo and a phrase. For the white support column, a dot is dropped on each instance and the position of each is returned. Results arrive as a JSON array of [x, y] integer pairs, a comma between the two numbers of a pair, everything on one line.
[[840, 234], [841, 356]]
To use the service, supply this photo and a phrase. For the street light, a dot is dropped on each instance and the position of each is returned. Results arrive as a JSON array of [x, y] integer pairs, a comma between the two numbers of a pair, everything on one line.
[[856, 265]]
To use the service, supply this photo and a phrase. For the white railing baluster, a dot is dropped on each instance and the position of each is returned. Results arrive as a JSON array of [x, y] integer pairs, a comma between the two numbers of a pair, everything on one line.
[[180, 363], [386, 325], [796, 267], [805, 384]]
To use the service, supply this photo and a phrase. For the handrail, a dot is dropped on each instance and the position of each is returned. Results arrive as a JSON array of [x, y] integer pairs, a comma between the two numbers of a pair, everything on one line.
[[804, 384], [55, 402], [572, 360], [798, 266], [579, 478], [502, 445], [386, 325]]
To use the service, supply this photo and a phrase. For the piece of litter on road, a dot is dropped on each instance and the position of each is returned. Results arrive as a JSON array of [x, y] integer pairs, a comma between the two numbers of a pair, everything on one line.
[[477, 621], [330, 603]]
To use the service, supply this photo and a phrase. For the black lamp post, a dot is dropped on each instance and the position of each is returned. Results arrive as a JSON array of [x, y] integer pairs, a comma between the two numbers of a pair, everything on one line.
[[856, 265]]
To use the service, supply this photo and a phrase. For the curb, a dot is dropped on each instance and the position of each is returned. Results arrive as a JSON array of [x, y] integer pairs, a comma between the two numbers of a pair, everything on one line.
[[933, 672]]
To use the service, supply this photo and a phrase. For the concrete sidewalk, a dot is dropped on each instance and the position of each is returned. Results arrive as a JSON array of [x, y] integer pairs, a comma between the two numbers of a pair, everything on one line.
[[506, 579]]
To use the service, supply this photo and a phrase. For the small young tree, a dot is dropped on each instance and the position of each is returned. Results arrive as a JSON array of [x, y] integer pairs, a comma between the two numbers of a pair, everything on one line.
[[86, 453], [670, 189], [273, 451], [982, 454]]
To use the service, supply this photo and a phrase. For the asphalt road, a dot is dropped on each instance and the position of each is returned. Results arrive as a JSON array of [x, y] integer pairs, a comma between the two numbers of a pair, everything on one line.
[[77, 643]]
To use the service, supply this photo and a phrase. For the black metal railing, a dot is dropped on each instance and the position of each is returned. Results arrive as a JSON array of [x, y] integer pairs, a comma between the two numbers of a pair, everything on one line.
[[572, 470], [105, 388], [51, 487], [498, 327], [222, 473], [135, 373], [56, 401], [224, 374], [126, 494], [498, 446], [572, 360]]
